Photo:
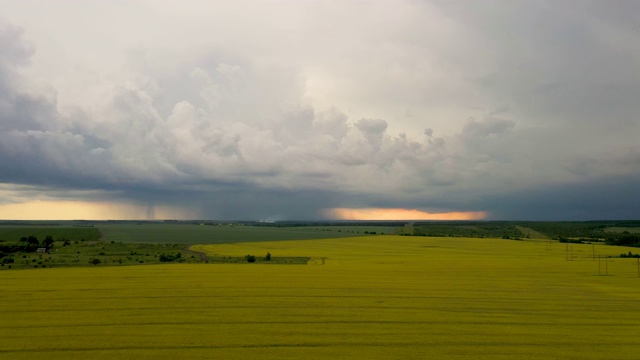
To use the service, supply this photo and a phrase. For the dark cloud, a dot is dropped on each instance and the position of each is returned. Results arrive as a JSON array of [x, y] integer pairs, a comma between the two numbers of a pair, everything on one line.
[[602, 199], [235, 134]]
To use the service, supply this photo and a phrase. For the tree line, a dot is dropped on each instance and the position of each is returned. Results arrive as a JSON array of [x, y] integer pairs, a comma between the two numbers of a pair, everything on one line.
[[26, 244], [623, 239]]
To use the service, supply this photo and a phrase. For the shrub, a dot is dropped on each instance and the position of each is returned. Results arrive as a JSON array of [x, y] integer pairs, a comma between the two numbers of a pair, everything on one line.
[[170, 257], [250, 258], [629, 255]]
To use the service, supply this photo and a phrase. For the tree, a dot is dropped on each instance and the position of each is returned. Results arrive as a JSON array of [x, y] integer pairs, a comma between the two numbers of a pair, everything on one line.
[[95, 261], [268, 257], [250, 258], [48, 241]]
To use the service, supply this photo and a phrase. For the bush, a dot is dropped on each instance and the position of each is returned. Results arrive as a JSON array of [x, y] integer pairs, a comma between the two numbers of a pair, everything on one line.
[[629, 255], [95, 261], [250, 258], [268, 257], [170, 257], [569, 241]]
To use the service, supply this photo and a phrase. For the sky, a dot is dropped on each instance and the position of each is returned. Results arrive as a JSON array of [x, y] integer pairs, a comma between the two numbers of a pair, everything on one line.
[[313, 110]]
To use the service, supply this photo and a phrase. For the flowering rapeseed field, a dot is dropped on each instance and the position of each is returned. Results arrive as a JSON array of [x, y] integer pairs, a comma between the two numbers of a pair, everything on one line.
[[379, 297]]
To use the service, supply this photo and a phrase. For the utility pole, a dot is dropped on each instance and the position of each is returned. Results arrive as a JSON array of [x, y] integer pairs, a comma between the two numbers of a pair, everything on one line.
[[571, 259]]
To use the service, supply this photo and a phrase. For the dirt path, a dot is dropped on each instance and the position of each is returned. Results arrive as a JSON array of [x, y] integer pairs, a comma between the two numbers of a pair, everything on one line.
[[203, 256]]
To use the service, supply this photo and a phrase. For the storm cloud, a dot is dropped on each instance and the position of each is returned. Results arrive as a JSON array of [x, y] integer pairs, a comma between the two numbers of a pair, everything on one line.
[[265, 110]]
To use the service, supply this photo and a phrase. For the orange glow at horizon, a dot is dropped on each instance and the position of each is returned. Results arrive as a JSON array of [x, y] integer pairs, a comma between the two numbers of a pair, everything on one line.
[[86, 210], [401, 214]]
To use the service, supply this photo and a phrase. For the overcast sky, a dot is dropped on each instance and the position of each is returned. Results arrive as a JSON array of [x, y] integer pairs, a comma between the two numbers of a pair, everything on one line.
[[298, 110]]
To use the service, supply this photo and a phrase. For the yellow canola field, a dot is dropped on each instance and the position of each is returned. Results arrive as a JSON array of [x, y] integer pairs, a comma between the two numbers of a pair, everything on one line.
[[379, 297]]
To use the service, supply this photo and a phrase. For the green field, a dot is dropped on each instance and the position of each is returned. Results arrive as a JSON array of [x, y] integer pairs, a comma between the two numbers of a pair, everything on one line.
[[146, 243], [101, 253], [632, 230], [213, 234], [378, 297], [73, 233], [108, 254]]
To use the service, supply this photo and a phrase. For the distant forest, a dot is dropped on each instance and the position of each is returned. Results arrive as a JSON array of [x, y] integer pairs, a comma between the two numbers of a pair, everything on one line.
[[622, 233]]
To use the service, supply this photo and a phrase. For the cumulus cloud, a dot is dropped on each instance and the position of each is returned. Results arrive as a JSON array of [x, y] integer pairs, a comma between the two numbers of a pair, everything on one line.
[[298, 116]]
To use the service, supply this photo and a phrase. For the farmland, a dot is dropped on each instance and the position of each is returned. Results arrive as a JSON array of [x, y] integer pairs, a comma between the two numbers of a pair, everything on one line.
[[128, 243], [207, 234], [381, 297], [72, 233]]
